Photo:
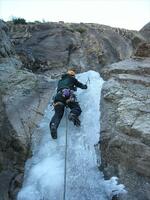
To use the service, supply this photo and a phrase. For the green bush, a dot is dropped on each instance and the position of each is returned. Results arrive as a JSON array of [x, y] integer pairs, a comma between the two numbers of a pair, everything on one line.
[[81, 29], [19, 21], [37, 22]]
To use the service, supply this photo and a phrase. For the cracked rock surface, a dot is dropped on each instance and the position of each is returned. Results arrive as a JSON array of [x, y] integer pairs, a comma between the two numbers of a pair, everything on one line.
[[23, 98], [125, 125], [49, 49]]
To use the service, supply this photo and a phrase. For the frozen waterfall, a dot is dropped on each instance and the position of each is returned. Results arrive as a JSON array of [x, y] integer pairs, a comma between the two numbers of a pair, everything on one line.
[[59, 173]]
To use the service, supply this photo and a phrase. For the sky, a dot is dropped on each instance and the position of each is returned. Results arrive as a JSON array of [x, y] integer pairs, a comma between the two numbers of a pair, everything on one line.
[[129, 14]]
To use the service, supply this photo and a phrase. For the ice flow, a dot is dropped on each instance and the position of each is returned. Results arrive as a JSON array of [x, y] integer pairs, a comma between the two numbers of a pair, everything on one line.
[[58, 173]]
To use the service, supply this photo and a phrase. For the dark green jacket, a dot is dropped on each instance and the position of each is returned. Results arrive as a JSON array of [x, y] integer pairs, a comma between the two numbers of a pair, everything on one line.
[[70, 82]]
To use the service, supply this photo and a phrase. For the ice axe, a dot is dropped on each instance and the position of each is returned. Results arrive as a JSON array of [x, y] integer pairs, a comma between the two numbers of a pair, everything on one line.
[[88, 81]]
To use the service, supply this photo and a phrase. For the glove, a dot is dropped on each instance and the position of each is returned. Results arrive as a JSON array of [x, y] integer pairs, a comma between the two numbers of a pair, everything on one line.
[[84, 86]]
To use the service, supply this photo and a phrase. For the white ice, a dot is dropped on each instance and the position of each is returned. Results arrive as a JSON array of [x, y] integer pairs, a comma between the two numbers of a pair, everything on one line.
[[45, 171]]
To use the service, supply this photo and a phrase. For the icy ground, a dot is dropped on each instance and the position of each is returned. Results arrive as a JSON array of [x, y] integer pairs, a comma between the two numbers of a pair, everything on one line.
[[48, 176]]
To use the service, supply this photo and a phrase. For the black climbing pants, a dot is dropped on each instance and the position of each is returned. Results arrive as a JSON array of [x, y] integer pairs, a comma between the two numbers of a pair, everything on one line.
[[59, 111]]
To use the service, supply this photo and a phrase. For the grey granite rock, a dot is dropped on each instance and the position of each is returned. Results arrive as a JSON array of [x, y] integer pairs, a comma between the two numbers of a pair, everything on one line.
[[23, 99], [50, 49], [50, 46], [145, 31], [125, 125]]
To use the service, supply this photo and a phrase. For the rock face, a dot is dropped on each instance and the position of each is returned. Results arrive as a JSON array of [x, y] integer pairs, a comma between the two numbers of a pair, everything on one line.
[[145, 31], [125, 125], [50, 47], [6, 48], [143, 50], [23, 97]]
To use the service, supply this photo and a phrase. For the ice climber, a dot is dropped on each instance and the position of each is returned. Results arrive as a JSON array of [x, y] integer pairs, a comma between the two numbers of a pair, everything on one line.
[[65, 97]]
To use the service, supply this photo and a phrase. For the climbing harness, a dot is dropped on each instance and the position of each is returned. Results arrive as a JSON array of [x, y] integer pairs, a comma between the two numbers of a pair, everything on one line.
[[65, 166], [66, 93]]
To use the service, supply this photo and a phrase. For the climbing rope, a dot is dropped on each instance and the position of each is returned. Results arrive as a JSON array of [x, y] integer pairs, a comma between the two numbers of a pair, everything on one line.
[[65, 167]]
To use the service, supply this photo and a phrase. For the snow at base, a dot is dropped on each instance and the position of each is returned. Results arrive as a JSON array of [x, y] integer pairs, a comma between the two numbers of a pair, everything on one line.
[[44, 172]]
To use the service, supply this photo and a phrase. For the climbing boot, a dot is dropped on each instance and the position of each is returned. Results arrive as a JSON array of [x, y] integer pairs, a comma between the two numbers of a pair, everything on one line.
[[72, 117], [53, 131]]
